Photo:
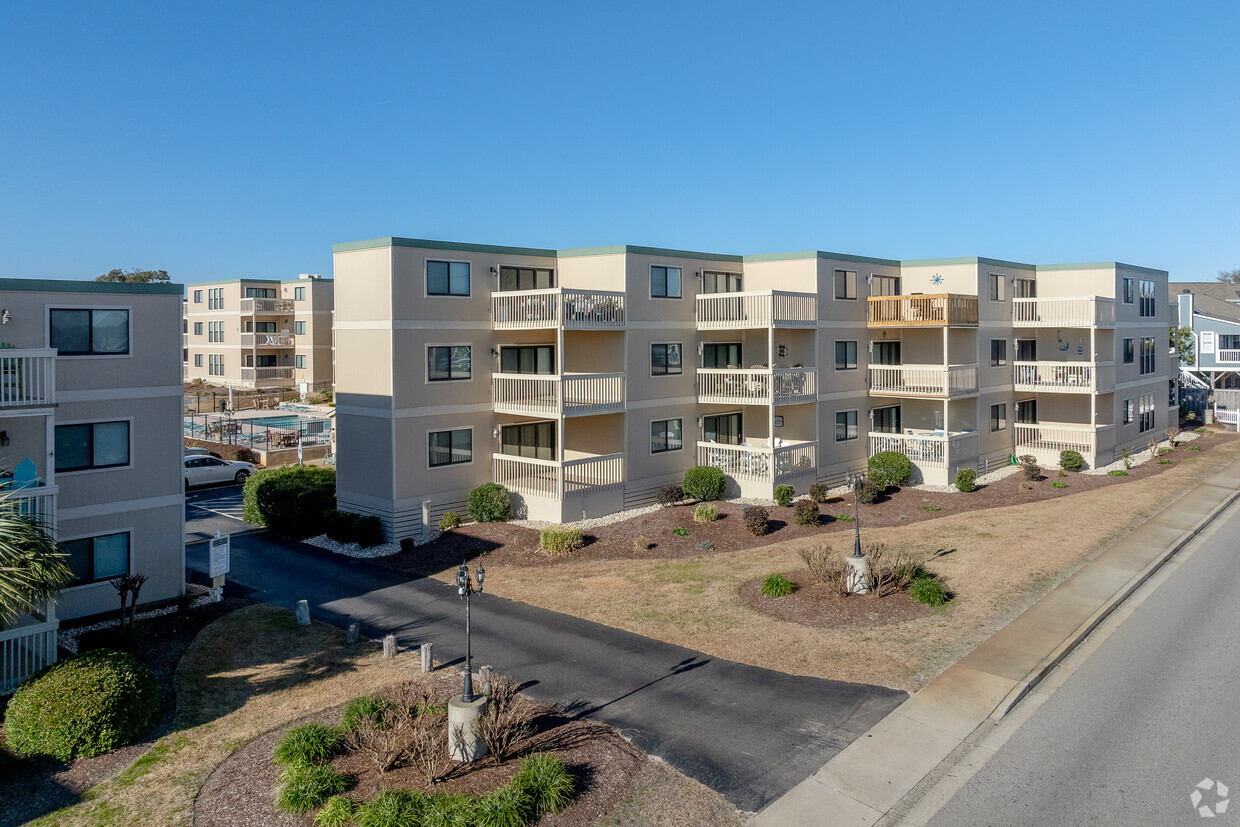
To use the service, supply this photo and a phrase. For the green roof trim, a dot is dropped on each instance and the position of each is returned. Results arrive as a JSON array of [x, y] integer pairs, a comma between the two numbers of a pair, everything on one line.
[[646, 251], [943, 262], [68, 286], [1104, 265], [234, 281], [821, 254], [427, 244]]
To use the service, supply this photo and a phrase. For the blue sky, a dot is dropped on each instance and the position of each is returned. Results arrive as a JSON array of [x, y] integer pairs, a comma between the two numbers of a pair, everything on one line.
[[219, 140]]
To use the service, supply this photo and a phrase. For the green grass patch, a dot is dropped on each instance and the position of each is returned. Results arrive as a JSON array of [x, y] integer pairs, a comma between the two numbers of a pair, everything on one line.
[[1201, 430], [1059, 485], [1164, 462], [681, 532], [336, 812], [1194, 447], [931, 508], [1118, 472], [307, 744], [305, 787], [776, 585], [848, 518]]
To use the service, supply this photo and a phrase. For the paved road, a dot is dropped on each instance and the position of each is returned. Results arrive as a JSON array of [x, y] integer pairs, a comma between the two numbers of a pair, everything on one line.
[[749, 733], [1150, 713], [217, 508]]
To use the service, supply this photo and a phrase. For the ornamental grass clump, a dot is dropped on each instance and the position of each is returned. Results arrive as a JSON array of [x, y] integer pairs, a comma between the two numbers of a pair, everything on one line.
[[776, 585], [705, 513], [557, 539]]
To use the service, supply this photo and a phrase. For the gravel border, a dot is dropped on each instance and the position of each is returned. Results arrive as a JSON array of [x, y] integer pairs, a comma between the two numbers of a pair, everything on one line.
[[67, 638], [353, 549]]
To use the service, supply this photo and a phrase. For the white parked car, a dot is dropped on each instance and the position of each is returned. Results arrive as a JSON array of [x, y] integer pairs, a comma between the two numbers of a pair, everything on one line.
[[204, 470]]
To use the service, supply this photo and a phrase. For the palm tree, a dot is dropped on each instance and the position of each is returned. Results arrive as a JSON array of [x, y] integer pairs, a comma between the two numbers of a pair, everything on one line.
[[33, 569]]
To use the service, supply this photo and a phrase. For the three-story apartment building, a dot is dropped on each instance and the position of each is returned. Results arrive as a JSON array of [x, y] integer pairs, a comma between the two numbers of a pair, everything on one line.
[[260, 333], [585, 379]]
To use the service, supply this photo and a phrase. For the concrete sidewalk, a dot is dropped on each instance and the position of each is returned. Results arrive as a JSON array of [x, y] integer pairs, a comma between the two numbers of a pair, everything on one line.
[[869, 777]]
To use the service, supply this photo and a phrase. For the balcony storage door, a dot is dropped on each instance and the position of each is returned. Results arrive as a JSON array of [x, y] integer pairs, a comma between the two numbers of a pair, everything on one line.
[[725, 355], [725, 429], [887, 420], [887, 353], [535, 440], [885, 286], [539, 359]]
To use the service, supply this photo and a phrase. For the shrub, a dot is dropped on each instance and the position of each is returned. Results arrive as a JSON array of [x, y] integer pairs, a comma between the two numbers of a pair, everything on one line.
[[889, 468], [868, 493], [1118, 473], [706, 545], [558, 539], [364, 708], [784, 494], [341, 526], [83, 706], [819, 492], [1030, 468], [966, 480], [1071, 460], [392, 808], [670, 495], [291, 500], [891, 570], [932, 508], [489, 503], [927, 589], [776, 585], [827, 567], [369, 530], [304, 787], [1194, 447], [641, 544], [449, 521], [1058, 484], [805, 512], [756, 519], [547, 783], [507, 720], [1125, 456], [1165, 451], [1201, 430], [681, 532], [704, 483], [307, 744], [337, 812], [1164, 462], [705, 513]]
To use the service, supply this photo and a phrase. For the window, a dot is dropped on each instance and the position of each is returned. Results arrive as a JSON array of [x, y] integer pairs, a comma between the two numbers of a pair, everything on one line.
[[1027, 412], [845, 426], [197, 297], [215, 298], [886, 353], [299, 361], [1127, 290], [1146, 412], [721, 282], [197, 328], [264, 361], [884, 285], [197, 360], [887, 420], [998, 417], [846, 284], [998, 287], [450, 447], [998, 353], [1147, 355], [215, 364], [722, 355], [665, 360], [526, 278], [299, 328], [93, 445], [666, 435], [1172, 400], [535, 440], [527, 359], [1129, 352], [1228, 341], [1148, 309], [723, 428], [93, 559], [845, 355], [260, 293], [259, 327], [215, 331], [299, 294], [447, 278], [664, 282], [448, 363], [90, 332], [1026, 289], [1128, 412], [1026, 350]]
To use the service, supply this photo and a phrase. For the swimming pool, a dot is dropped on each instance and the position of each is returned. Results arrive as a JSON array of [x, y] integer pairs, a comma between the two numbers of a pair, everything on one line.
[[313, 426]]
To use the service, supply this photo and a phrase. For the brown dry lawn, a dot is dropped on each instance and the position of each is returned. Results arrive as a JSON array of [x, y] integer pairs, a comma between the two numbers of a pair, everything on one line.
[[1003, 559]]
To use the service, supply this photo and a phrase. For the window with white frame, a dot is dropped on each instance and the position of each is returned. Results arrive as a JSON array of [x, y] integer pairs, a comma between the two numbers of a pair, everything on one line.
[[197, 360], [846, 285], [299, 361], [299, 294], [1129, 351], [450, 447], [93, 332], [215, 298], [665, 359], [1145, 409], [1127, 290], [1147, 355], [664, 282], [526, 278], [92, 445], [721, 282], [1129, 412], [666, 435], [95, 559], [447, 278], [884, 285], [845, 425], [998, 352], [197, 328], [197, 297], [299, 328], [1148, 308], [446, 363]]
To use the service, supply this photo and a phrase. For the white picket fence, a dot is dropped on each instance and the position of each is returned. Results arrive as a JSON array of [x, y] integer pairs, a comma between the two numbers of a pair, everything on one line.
[[1075, 311]]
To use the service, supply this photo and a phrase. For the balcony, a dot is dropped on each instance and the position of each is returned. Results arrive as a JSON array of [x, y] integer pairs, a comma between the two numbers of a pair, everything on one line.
[[574, 394], [933, 381], [1080, 311], [937, 455], [943, 310], [266, 376], [557, 480], [1227, 356], [757, 469], [254, 307], [763, 308], [1065, 377], [778, 386], [30, 500], [268, 340], [557, 308], [27, 377], [1045, 440]]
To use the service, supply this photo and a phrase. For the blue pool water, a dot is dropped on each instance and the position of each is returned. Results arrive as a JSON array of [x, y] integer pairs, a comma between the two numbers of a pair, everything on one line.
[[290, 422]]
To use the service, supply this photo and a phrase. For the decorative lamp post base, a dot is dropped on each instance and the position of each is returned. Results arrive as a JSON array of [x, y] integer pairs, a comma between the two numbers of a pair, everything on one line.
[[463, 741], [858, 575]]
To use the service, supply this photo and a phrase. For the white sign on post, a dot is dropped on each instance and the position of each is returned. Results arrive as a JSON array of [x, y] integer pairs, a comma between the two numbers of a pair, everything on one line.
[[218, 565]]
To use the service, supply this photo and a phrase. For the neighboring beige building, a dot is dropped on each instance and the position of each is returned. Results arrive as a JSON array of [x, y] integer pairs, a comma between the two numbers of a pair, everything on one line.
[[583, 380], [259, 333], [90, 429]]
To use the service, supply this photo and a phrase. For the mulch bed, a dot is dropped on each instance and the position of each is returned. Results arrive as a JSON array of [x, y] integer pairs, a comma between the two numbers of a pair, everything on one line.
[[813, 604], [241, 791], [505, 544]]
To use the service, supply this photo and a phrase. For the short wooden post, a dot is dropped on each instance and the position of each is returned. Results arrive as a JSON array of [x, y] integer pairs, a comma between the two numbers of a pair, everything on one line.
[[484, 677], [303, 613], [389, 647], [352, 633], [428, 657]]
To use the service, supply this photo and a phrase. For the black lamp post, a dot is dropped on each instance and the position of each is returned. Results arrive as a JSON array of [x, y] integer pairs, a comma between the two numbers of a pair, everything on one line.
[[465, 589], [855, 481]]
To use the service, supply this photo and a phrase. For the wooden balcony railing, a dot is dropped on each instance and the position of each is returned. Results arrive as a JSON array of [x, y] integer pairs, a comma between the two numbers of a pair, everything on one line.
[[1078, 311], [1065, 377], [942, 310], [574, 394], [253, 306], [763, 308], [778, 386], [557, 307], [556, 480], [938, 381]]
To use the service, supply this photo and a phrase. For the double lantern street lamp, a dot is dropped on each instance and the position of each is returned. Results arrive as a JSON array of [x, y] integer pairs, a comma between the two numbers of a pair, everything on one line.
[[855, 481], [465, 589]]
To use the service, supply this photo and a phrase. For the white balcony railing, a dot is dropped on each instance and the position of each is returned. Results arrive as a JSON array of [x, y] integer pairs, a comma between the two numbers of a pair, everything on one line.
[[760, 464], [937, 381], [780, 386], [1227, 356], [1078, 311], [25, 649], [266, 374], [27, 377], [763, 308], [557, 307], [573, 394], [29, 500], [1054, 437], [941, 310], [556, 480], [1065, 377], [262, 340], [930, 450], [252, 306]]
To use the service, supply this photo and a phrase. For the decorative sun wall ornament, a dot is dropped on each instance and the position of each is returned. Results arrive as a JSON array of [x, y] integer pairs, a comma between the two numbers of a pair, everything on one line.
[[936, 279]]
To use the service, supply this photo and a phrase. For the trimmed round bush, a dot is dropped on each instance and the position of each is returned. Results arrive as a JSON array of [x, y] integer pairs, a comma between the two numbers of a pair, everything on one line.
[[1071, 460], [805, 512], [820, 492], [291, 500], [705, 513], [868, 493], [966, 480], [888, 468], [776, 585], [369, 531], [449, 521], [669, 495], [341, 526], [490, 503], [756, 520], [83, 706], [784, 494], [703, 482]]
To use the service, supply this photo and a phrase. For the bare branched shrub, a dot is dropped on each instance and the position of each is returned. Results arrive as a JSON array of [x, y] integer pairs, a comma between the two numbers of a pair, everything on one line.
[[428, 744], [891, 570], [1173, 433], [1151, 445], [384, 737], [508, 720], [828, 568]]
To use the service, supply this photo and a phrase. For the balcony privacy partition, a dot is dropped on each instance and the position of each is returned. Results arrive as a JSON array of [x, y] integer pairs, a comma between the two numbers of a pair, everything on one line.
[[941, 310], [1079, 311], [557, 307], [750, 309]]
